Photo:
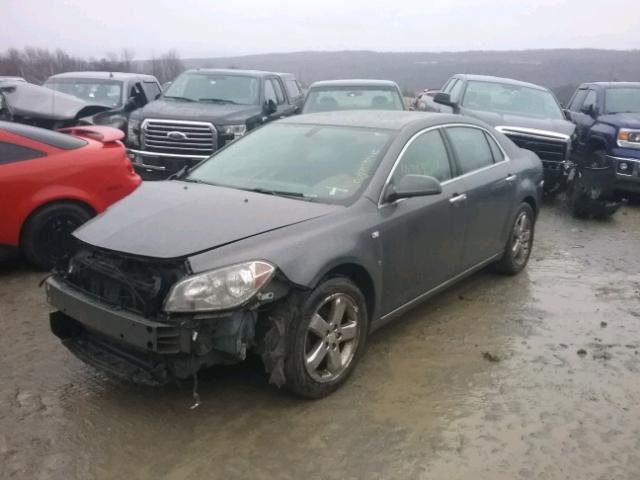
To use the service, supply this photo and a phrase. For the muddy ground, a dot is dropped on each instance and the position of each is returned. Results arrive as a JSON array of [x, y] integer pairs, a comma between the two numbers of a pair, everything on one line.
[[562, 401]]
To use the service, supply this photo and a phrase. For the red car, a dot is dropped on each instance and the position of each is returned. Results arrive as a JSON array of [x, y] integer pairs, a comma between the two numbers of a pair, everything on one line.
[[52, 182]]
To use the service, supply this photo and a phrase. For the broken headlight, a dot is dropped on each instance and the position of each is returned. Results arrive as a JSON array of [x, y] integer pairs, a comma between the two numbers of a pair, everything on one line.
[[219, 289], [628, 138], [133, 132]]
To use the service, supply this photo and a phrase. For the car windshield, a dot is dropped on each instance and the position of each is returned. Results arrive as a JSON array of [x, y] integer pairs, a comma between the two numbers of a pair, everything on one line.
[[214, 87], [95, 91], [622, 100], [327, 164], [326, 99], [511, 100]]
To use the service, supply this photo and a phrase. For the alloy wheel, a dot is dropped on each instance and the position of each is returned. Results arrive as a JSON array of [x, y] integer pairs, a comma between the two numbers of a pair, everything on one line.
[[332, 338], [521, 238]]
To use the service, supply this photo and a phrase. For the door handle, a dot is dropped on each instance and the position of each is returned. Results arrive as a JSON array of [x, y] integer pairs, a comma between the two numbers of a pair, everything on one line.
[[511, 178], [458, 198]]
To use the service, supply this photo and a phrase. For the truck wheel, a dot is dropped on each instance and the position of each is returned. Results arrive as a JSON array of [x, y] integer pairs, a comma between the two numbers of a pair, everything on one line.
[[577, 197], [327, 331], [520, 242], [47, 232]]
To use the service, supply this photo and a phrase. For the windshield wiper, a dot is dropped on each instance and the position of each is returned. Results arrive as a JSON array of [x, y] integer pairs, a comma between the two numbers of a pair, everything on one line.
[[217, 100], [186, 99], [279, 193]]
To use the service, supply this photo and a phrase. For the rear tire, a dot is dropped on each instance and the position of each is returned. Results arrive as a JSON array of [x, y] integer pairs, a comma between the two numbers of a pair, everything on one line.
[[325, 336], [520, 242], [46, 235]]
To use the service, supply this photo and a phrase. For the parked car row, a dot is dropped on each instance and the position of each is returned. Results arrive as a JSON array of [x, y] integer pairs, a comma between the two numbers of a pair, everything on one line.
[[591, 149]]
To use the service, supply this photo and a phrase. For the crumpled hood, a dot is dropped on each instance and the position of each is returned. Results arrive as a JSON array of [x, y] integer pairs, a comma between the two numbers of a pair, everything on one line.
[[217, 113], [175, 219], [29, 100], [497, 119], [621, 120]]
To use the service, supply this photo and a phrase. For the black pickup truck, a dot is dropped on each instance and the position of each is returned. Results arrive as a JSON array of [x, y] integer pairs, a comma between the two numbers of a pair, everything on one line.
[[201, 111]]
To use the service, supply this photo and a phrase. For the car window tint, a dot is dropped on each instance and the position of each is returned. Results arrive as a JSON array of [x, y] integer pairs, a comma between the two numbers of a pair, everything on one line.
[[269, 92], [576, 103], [10, 153], [471, 147], [278, 89], [48, 137], [454, 94], [498, 156], [293, 89], [590, 100], [426, 155]]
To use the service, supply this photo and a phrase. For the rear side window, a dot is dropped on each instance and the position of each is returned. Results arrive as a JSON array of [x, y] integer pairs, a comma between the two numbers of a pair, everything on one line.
[[293, 88], [48, 137], [426, 155], [471, 148], [498, 156], [11, 153]]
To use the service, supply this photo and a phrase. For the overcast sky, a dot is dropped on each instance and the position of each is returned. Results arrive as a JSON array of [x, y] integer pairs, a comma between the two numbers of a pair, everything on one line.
[[203, 28]]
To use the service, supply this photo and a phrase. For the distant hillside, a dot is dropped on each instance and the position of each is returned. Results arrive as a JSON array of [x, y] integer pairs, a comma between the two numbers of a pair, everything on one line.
[[560, 70]]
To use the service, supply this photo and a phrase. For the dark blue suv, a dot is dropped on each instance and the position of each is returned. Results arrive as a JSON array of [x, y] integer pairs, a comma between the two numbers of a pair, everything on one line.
[[607, 138]]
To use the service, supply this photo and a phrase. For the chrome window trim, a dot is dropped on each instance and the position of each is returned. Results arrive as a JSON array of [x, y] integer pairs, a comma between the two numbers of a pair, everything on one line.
[[451, 180], [532, 132]]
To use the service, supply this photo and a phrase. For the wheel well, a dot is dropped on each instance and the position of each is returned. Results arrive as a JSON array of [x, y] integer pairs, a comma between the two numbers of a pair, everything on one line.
[[84, 205], [532, 203], [361, 278]]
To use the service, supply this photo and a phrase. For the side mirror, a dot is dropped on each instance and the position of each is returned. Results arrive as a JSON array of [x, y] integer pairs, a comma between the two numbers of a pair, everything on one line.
[[270, 107], [588, 110], [445, 99], [566, 113], [413, 186]]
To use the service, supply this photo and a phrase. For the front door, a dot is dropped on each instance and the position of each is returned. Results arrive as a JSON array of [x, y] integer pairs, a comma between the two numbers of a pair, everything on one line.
[[490, 190], [422, 237]]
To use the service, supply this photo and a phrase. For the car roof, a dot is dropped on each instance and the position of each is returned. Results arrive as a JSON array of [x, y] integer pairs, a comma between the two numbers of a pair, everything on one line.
[[506, 81], [108, 75], [383, 119], [232, 71], [353, 82], [611, 84]]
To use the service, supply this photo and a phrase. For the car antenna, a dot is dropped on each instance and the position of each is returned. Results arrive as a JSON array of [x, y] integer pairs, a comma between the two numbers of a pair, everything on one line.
[[110, 74]]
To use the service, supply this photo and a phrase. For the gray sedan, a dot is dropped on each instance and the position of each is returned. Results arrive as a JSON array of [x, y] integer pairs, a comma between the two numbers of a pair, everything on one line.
[[295, 242]]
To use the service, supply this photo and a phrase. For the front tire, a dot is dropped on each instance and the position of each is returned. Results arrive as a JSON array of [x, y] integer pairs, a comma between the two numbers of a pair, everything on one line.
[[326, 336], [47, 233], [520, 242]]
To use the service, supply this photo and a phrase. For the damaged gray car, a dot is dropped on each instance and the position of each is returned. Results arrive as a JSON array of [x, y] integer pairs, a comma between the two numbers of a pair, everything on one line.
[[295, 243]]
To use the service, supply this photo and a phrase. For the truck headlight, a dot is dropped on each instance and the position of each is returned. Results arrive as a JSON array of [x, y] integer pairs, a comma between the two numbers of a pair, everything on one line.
[[235, 131], [133, 132], [219, 289], [628, 138]]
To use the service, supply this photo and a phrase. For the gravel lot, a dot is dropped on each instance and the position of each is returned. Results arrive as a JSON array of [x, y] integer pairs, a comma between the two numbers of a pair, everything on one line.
[[532, 377]]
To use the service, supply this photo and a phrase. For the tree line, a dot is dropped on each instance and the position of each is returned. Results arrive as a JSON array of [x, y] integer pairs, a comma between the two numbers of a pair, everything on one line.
[[37, 64]]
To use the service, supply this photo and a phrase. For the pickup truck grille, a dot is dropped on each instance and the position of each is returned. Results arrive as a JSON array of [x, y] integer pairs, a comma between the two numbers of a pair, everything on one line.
[[198, 139], [547, 148]]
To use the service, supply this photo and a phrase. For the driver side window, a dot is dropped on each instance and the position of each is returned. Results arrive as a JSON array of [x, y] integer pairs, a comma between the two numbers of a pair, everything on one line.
[[426, 155], [269, 92]]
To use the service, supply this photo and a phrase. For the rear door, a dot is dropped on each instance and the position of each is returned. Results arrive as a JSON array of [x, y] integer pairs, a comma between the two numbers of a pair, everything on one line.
[[490, 182], [422, 237]]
